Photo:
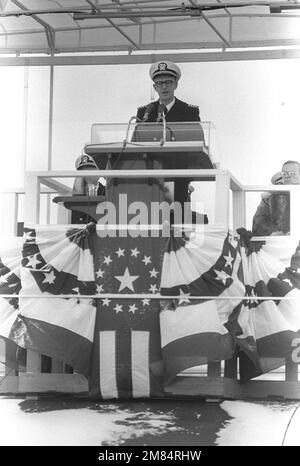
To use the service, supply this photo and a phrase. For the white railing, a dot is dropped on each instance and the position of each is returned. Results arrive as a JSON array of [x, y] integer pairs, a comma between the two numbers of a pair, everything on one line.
[[13, 204], [224, 182]]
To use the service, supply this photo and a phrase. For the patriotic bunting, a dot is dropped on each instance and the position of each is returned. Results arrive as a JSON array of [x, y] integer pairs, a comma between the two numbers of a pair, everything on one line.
[[127, 359], [270, 327], [56, 262], [196, 331], [124, 336]]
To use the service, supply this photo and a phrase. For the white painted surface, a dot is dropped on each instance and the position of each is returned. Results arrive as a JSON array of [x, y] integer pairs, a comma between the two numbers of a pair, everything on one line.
[[53, 422], [81, 426], [262, 424]]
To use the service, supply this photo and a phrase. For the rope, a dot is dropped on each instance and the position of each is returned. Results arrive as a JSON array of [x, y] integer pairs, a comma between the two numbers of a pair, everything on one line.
[[152, 296], [288, 425]]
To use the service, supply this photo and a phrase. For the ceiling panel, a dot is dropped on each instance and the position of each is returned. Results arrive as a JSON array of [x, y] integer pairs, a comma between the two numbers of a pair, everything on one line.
[[58, 26]]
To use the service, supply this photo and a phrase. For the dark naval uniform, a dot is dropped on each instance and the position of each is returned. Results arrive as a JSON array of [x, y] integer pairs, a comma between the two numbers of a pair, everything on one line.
[[272, 214], [179, 112]]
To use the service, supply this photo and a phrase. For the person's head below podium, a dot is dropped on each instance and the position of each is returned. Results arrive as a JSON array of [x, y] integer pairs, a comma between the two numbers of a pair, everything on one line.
[[81, 185], [165, 76]]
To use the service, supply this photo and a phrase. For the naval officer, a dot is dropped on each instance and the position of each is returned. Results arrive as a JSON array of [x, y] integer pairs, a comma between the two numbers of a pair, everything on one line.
[[165, 76]]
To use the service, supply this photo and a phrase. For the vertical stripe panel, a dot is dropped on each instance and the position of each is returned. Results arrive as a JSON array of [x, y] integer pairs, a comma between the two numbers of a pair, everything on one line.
[[140, 364], [123, 363], [107, 364]]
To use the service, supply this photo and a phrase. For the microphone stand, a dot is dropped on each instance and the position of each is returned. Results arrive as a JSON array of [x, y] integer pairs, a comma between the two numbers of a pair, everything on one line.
[[164, 137], [125, 141], [127, 130]]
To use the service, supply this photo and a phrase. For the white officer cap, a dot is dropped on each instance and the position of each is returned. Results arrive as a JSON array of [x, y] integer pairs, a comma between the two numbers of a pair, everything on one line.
[[277, 178], [164, 67], [85, 161]]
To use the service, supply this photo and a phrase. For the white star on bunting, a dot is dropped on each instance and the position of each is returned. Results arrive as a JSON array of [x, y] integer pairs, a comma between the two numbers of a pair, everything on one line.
[[27, 236], [106, 301], [229, 259], [120, 252], [99, 288], [132, 308], [153, 273], [135, 252], [146, 260], [146, 301], [118, 308], [183, 297], [100, 273], [222, 276], [126, 280], [153, 288], [107, 260], [32, 261], [50, 278]]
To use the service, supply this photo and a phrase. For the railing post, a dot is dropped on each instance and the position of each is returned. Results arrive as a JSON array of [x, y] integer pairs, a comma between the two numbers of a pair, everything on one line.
[[11, 364], [214, 369], [32, 198], [294, 211], [239, 209], [32, 215], [33, 362], [230, 370], [222, 198], [16, 211], [291, 371]]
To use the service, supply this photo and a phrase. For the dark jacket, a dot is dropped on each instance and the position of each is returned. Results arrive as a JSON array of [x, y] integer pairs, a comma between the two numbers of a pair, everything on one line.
[[272, 214], [180, 111]]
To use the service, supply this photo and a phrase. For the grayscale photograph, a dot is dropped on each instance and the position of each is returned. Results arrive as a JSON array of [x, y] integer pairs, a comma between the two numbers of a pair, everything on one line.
[[149, 225]]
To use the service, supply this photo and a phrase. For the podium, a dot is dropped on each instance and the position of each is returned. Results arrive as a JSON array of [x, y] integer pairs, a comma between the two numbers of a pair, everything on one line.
[[147, 146], [148, 156]]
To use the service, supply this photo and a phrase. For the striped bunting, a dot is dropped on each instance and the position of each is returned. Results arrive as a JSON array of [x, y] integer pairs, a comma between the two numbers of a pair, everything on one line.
[[270, 327], [57, 261], [127, 361], [197, 331], [113, 382]]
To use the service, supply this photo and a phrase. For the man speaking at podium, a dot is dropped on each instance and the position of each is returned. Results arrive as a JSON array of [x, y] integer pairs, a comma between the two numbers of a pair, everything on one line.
[[165, 76]]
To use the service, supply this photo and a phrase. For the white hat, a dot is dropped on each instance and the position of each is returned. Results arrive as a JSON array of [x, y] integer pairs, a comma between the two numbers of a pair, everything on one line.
[[277, 178], [164, 67], [85, 161]]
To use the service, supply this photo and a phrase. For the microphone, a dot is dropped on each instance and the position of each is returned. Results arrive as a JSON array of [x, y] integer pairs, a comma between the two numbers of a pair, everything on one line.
[[160, 112], [128, 127], [161, 116], [148, 110]]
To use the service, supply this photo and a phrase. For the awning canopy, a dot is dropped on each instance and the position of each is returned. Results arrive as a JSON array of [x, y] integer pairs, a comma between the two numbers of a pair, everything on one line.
[[56, 27]]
